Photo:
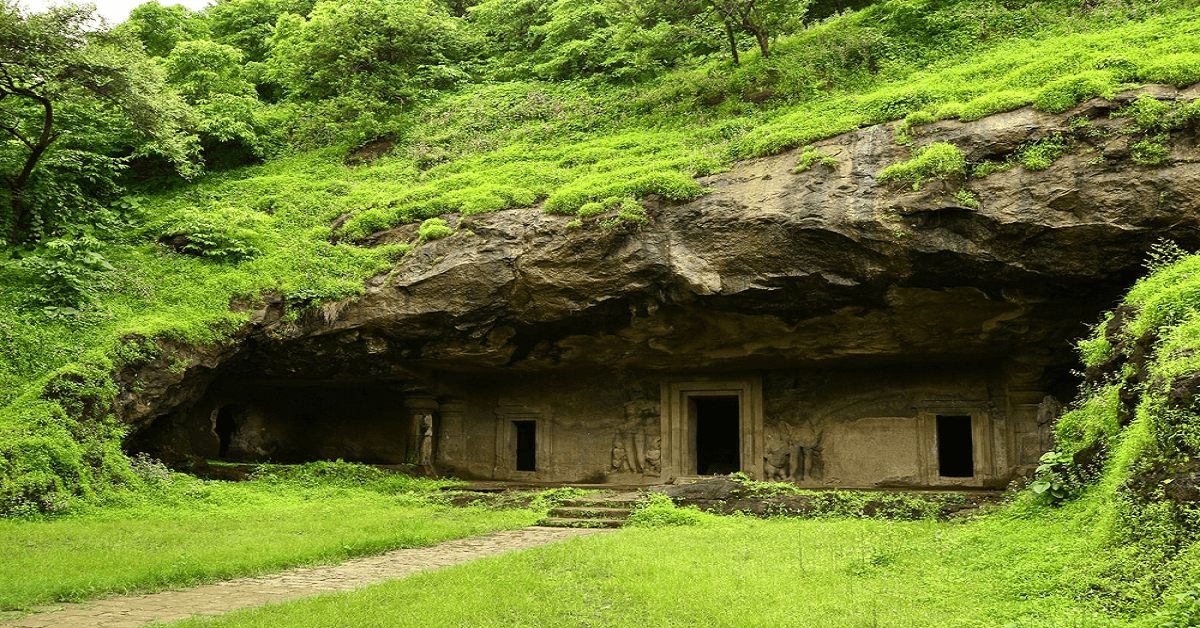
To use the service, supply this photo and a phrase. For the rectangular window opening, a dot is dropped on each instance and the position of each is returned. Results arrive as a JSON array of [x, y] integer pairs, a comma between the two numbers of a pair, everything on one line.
[[526, 445], [956, 450]]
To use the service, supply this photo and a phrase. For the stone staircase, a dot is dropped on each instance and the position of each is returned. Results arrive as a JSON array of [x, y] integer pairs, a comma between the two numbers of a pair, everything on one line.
[[608, 511]]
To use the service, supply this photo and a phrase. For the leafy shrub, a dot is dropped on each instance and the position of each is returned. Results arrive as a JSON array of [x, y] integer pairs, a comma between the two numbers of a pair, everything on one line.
[[68, 273], [1063, 93], [1183, 610], [25, 507], [940, 160], [151, 470], [1180, 69], [433, 229], [1054, 482], [228, 234], [657, 510], [1163, 253]]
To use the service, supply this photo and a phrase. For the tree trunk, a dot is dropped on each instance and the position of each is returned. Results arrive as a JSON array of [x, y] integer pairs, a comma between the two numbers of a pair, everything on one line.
[[763, 41], [22, 220], [732, 42]]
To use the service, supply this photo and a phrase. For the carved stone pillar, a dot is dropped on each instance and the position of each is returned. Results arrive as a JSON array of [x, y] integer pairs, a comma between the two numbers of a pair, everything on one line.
[[450, 443], [420, 429]]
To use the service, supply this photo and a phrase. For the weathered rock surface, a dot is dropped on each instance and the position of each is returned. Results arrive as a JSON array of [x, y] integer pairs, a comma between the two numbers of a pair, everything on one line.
[[769, 269]]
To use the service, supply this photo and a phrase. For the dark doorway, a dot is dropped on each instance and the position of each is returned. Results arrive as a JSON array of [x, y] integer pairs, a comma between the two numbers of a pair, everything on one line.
[[717, 434], [225, 426], [526, 445], [956, 451]]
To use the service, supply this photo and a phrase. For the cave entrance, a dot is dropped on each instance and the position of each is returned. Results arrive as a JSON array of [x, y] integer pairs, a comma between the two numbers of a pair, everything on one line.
[[225, 426], [712, 427], [717, 433], [955, 446], [525, 437]]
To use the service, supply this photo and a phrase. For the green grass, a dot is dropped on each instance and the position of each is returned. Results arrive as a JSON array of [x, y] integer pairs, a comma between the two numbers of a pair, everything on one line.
[[1002, 570], [188, 531]]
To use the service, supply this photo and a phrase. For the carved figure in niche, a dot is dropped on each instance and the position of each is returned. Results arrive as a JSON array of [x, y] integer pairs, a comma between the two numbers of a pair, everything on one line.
[[425, 447], [629, 443], [1048, 411], [816, 463], [794, 453], [653, 455], [620, 458], [784, 461]]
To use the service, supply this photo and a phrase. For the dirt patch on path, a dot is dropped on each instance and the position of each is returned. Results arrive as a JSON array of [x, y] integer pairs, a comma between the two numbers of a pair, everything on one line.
[[222, 597]]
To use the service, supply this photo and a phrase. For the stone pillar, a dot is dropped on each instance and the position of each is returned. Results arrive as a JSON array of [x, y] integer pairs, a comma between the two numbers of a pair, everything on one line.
[[420, 429], [450, 443]]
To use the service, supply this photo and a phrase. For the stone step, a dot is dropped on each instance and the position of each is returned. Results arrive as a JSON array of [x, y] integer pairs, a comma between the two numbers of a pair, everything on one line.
[[589, 512], [585, 502], [562, 522]]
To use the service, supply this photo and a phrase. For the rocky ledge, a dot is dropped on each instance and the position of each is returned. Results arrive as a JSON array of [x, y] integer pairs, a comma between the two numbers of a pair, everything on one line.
[[769, 269]]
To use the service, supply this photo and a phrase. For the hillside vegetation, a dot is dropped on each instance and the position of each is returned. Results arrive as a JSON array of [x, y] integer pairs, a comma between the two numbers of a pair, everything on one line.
[[283, 132]]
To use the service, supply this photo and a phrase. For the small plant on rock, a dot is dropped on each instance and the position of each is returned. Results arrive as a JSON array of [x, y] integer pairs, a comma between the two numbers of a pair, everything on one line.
[[433, 229], [811, 157], [1151, 151], [940, 160], [1042, 154], [966, 199]]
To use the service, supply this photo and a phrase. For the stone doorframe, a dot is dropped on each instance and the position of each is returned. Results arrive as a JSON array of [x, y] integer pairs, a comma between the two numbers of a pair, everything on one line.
[[679, 424], [505, 466], [981, 441]]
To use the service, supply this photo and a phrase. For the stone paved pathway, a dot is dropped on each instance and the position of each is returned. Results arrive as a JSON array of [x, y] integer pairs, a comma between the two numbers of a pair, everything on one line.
[[222, 597]]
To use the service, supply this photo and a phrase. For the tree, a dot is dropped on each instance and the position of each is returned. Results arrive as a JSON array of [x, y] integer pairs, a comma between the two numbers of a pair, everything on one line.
[[760, 18], [212, 78], [386, 51], [160, 28], [70, 95], [248, 24]]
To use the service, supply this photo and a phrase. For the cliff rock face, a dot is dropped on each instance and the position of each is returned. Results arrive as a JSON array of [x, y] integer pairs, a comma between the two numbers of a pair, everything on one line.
[[826, 288]]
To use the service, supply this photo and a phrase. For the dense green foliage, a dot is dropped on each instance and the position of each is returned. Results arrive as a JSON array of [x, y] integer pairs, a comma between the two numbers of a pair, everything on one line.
[[1130, 444], [368, 114]]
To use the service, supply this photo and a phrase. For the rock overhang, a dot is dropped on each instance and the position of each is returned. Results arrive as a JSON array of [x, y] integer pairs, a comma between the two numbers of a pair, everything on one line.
[[771, 270]]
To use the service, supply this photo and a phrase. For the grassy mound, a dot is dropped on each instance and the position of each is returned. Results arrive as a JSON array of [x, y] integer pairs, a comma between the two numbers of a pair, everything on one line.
[[1129, 447]]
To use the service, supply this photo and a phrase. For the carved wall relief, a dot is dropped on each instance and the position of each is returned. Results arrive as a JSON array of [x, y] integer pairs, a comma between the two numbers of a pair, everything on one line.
[[636, 442]]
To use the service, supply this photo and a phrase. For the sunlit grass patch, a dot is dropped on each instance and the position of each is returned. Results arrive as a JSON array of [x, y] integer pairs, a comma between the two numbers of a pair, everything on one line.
[[735, 571], [184, 531]]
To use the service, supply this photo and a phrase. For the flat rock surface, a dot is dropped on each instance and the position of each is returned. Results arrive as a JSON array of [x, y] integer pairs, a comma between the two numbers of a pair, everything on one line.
[[222, 597]]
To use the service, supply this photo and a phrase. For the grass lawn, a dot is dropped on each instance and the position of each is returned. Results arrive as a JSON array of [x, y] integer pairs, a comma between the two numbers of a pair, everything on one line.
[[1000, 570], [198, 531]]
